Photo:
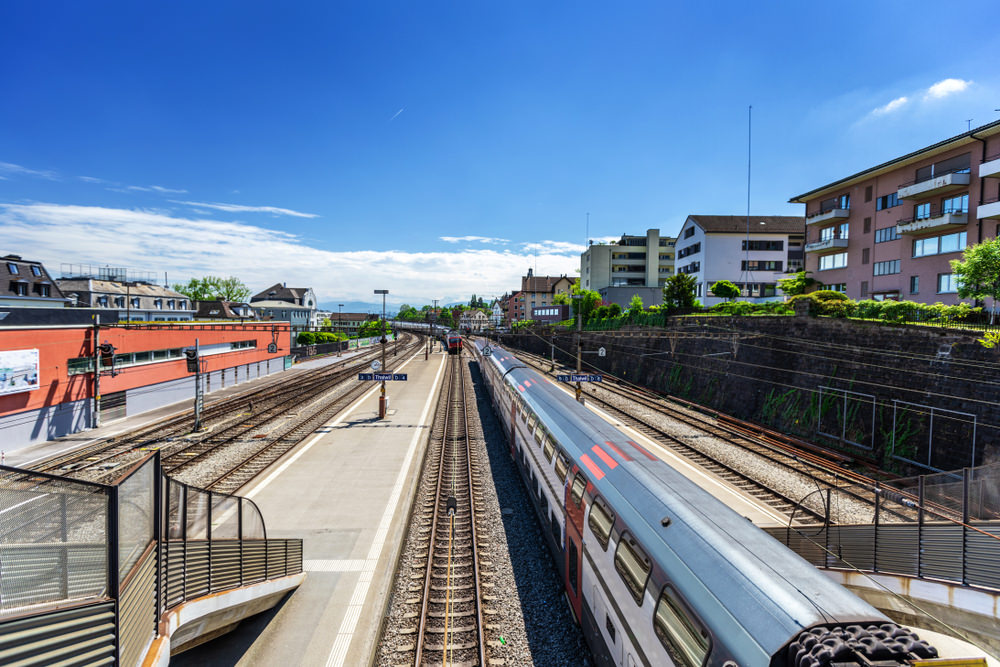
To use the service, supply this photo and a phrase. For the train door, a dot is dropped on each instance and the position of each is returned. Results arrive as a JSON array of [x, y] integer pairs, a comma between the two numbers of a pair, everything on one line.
[[605, 630], [574, 500]]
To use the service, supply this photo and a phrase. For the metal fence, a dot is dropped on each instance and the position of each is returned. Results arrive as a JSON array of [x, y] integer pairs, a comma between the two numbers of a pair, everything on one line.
[[142, 545], [944, 526]]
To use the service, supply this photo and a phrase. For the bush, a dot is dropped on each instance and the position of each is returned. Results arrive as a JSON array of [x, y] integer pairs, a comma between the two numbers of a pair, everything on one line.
[[306, 338], [828, 295]]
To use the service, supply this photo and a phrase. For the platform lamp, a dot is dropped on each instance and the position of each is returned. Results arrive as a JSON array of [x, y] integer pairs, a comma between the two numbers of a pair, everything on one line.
[[381, 398], [340, 325]]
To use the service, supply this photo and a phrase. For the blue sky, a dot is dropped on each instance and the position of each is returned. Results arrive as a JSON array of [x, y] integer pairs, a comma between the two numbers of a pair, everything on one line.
[[439, 149]]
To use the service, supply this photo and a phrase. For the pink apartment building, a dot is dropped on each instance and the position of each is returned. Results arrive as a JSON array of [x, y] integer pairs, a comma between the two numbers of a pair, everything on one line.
[[888, 232]]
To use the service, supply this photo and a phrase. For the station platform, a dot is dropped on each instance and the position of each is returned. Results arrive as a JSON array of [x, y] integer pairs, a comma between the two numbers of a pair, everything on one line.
[[346, 491], [26, 456]]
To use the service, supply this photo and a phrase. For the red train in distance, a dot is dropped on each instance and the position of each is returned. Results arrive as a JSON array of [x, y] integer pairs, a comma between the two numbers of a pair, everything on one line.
[[453, 342]]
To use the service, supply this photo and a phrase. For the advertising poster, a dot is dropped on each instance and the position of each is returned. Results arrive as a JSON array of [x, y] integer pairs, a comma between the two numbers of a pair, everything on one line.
[[18, 371]]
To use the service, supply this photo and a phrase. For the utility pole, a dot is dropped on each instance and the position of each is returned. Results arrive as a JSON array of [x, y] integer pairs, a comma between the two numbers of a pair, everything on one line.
[[579, 344], [199, 395], [96, 421], [340, 324], [381, 398]]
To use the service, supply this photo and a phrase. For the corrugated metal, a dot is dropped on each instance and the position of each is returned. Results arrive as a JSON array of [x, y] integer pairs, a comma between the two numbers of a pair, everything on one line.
[[853, 546], [225, 564], [79, 636], [254, 561], [941, 552], [276, 558], [196, 569], [293, 565], [173, 576], [897, 549], [982, 563], [34, 573], [137, 611]]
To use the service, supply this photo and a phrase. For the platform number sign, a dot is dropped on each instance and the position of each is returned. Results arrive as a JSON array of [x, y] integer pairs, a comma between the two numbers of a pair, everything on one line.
[[487, 351], [376, 365], [272, 348]]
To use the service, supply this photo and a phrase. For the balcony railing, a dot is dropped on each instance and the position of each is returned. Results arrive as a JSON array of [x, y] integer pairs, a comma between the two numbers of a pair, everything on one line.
[[989, 209], [828, 214], [990, 167], [938, 218], [823, 242], [936, 184]]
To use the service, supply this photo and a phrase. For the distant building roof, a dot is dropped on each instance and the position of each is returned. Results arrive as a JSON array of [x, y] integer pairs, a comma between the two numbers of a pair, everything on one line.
[[278, 304], [112, 287], [279, 292], [230, 310], [14, 269], [533, 283], [728, 224]]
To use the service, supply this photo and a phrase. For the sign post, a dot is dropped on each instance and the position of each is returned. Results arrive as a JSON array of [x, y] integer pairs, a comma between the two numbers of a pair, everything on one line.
[[381, 399]]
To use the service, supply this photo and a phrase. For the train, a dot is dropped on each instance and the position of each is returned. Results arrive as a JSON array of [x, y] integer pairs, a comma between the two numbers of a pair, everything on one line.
[[452, 340], [658, 571]]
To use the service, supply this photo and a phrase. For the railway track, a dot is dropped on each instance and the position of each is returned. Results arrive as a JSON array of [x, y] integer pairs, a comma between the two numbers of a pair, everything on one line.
[[445, 594], [252, 430]]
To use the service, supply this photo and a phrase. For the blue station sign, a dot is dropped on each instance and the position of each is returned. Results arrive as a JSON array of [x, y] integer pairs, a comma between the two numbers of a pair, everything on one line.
[[383, 377], [583, 377]]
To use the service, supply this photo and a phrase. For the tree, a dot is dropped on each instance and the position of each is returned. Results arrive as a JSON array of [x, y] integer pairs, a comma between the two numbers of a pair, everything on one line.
[[588, 302], [445, 319], [214, 288], [978, 272], [678, 292], [635, 305], [561, 298], [725, 289], [797, 283]]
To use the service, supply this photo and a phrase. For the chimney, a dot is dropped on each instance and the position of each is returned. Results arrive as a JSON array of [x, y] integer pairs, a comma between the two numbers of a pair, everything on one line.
[[529, 271]]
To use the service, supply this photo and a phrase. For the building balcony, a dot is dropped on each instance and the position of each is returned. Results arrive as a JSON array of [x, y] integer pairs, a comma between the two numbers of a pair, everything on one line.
[[831, 215], [824, 245], [937, 221], [938, 185], [990, 168], [989, 210]]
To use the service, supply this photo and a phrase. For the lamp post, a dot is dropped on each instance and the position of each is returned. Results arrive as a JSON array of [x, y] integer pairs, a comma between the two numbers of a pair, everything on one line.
[[579, 343], [340, 308], [381, 398]]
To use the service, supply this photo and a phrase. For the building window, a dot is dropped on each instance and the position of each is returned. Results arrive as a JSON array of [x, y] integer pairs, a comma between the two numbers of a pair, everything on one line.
[[170, 304], [959, 204], [886, 268], [937, 245], [888, 201], [689, 232], [834, 261], [886, 234], [102, 301], [836, 287], [36, 270], [43, 290], [12, 267], [922, 211], [158, 303], [865, 255], [119, 302], [689, 250], [766, 245], [760, 265], [835, 232], [914, 284], [868, 194], [868, 225], [19, 288], [864, 288], [947, 283], [135, 302]]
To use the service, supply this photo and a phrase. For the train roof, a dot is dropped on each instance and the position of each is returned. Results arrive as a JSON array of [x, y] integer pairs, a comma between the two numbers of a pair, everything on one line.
[[780, 593]]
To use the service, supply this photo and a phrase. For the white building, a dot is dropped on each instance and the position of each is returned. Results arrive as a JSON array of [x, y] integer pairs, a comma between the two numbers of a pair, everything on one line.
[[714, 247], [473, 320]]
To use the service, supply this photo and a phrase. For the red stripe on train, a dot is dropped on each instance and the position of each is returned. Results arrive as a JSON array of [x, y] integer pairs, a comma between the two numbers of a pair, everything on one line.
[[592, 467], [647, 454], [608, 461], [618, 451]]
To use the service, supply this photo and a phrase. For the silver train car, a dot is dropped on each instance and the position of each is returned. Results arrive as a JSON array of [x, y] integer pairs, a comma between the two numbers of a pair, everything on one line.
[[659, 572]]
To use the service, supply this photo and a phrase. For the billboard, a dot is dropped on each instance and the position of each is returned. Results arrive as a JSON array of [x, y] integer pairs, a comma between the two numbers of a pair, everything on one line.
[[18, 371]]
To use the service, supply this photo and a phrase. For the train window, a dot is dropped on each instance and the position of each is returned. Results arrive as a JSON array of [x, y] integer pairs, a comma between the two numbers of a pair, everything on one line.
[[550, 447], [562, 466], [683, 637], [601, 520], [573, 574], [539, 434], [556, 531], [633, 566], [579, 486], [524, 412], [532, 420]]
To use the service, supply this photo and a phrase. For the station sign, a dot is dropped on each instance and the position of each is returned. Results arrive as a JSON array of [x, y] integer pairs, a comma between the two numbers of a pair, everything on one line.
[[583, 377], [383, 377], [487, 351]]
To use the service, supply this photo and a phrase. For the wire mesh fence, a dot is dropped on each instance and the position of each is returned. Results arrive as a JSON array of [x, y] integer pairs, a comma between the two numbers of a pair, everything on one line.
[[53, 540]]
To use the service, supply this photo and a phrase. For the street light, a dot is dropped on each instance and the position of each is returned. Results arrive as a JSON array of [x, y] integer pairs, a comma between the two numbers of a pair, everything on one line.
[[340, 308], [381, 398]]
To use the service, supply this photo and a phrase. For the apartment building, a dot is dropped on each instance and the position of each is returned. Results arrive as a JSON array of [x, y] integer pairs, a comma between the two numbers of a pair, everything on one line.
[[890, 231], [26, 283], [133, 295], [634, 265], [753, 253], [535, 291]]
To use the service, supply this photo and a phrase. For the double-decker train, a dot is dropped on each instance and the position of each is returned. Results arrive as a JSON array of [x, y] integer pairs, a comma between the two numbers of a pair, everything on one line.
[[452, 341], [658, 571]]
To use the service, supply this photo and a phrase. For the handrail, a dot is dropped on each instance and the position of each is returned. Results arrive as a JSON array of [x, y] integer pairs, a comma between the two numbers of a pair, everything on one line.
[[933, 213], [961, 170]]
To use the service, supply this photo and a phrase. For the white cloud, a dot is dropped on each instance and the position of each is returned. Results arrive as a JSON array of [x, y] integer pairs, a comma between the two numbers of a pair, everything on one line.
[[554, 247], [894, 105], [11, 168], [946, 87], [473, 239], [155, 188], [239, 208], [186, 247]]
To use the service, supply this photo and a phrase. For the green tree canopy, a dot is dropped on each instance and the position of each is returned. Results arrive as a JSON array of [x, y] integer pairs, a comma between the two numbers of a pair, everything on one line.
[[725, 289], [797, 283], [588, 302], [635, 305], [678, 292], [978, 272], [214, 288]]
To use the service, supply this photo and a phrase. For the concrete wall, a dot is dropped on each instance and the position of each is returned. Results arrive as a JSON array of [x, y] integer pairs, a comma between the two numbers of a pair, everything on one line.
[[769, 370]]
